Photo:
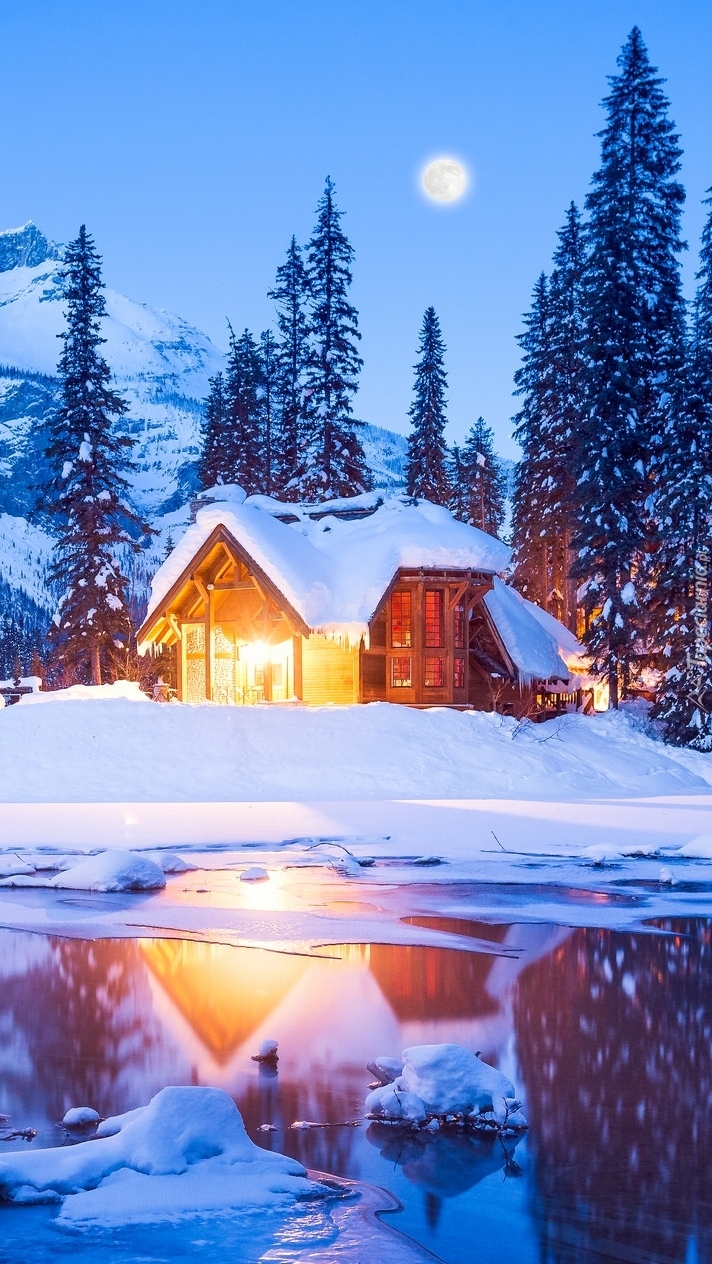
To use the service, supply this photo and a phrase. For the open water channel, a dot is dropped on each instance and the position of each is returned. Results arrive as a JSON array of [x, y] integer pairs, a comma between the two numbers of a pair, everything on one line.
[[607, 1036]]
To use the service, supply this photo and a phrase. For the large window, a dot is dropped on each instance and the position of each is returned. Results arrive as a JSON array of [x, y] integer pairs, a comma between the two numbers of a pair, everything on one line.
[[401, 620], [459, 626], [434, 673], [458, 673], [434, 618], [401, 673]]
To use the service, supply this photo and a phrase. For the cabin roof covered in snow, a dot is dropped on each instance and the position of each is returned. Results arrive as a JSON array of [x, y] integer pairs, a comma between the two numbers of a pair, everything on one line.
[[529, 641], [333, 562]]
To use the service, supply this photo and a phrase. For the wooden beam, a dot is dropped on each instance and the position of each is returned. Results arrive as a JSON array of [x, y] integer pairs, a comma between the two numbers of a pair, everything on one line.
[[209, 644], [175, 626], [459, 594], [235, 586]]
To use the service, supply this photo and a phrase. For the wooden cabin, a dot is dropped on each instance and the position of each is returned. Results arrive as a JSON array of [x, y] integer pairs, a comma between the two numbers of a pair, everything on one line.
[[364, 600]]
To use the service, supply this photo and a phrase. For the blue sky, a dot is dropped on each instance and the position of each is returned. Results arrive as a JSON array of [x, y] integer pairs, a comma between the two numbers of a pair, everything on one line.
[[193, 138]]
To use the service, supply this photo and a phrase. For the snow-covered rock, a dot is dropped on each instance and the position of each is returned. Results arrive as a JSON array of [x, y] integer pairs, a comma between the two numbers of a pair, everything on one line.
[[81, 1117], [255, 873], [440, 1080], [185, 1153], [112, 871]]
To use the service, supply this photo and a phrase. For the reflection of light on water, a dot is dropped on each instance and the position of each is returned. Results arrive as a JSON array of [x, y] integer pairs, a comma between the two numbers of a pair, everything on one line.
[[224, 993]]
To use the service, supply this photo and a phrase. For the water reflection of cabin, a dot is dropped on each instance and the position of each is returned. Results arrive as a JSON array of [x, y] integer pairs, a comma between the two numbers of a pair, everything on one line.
[[357, 601]]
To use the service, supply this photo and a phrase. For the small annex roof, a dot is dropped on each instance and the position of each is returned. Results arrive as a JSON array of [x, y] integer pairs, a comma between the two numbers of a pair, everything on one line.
[[527, 638], [334, 561]]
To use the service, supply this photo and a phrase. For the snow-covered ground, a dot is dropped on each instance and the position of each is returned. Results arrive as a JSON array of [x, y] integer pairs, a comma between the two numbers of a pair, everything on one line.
[[431, 801]]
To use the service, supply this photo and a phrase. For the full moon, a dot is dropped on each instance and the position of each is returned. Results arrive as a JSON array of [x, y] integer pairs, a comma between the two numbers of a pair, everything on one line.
[[445, 180]]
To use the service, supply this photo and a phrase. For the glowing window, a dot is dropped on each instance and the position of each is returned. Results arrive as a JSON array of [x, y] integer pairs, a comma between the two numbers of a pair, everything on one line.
[[401, 673], [401, 620], [459, 626], [434, 673], [458, 674], [434, 618]]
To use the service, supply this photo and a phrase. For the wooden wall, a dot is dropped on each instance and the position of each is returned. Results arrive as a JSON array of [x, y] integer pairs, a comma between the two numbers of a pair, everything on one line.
[[329, 673]]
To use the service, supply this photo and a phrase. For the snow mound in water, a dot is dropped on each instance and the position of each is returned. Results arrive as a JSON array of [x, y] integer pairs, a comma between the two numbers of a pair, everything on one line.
[[699, 849], [113, 871], [439, 1080], [186, 1153]]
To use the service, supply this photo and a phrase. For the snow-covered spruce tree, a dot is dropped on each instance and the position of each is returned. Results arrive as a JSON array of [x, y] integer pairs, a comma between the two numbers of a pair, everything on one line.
[[332, 462], [243, 454], [547, 427], [215, 422], [427, 463], [478, 481], [533, 382], [290, 295], [86, 494], [634, 348], [680, 609], [268, 395], [562, 422]]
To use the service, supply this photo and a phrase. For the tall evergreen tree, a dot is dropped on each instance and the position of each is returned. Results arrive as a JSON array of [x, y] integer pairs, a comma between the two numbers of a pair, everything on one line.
[[681, 604], [533, 382], [478, 481], [243, 452], [86, 494], [332, 462], [547, 427], [634, 346], [215, 423], [291, 294], [268, 394], [427, 462]]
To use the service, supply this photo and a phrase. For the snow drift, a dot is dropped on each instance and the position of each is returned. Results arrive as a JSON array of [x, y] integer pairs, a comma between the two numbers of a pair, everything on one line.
[[186, 1153]]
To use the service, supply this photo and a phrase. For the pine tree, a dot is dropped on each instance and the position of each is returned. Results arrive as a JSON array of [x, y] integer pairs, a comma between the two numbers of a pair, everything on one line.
[[268, 394], [332, 463], [427, 462], [290, 294], [547, 427], [86, 494], [634, 319], [478, 481], [681, 607], [243, 450], [533, 383], [212, 460]]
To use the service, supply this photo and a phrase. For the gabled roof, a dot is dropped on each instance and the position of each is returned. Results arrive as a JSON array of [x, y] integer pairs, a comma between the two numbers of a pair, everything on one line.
[[333, 562]]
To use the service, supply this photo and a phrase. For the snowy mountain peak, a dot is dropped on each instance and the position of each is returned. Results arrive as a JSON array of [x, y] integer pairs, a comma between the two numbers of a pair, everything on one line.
[[25, 247]]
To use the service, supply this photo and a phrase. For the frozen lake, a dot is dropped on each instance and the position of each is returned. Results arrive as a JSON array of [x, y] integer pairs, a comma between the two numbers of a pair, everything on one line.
[[606, 1034]]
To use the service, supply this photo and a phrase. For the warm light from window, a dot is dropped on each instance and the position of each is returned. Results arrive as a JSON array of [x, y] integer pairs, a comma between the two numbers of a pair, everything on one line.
[[401, 675], [434, 618], [401, 616], [434, 673]]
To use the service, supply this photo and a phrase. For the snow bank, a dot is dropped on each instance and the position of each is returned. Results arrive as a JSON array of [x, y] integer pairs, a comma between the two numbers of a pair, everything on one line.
[[186, 1153], [127, 690], [115, 751], [442, 1080]]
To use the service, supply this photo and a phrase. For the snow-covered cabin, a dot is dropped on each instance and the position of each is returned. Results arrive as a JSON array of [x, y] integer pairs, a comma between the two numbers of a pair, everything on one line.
[[371, 598]]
